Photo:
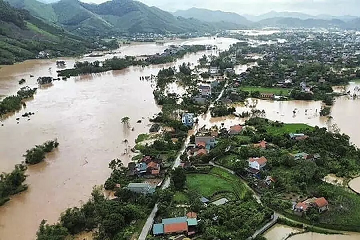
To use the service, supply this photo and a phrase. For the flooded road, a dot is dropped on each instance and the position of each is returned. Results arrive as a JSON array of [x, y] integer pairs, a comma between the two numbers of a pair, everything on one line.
[[84, 113]]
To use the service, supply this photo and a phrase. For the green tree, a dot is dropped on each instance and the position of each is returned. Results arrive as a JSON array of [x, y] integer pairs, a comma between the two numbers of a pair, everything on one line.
[[126, 121], [51, 232], [178, 178]]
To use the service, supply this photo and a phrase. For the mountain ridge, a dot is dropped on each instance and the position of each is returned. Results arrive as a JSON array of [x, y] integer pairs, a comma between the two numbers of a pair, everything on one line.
[[116, 17]]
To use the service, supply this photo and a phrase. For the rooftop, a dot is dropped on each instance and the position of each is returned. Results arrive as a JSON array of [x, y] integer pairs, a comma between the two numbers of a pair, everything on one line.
[[158, 229], [174, 220], [176, 227], [321, 202], [261, 160]]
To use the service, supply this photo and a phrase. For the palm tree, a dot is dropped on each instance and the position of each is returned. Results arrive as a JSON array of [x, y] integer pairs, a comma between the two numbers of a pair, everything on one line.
[[125, 120]]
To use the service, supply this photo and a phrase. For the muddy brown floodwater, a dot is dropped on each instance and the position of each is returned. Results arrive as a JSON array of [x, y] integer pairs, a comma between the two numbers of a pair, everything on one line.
[[84, 113]]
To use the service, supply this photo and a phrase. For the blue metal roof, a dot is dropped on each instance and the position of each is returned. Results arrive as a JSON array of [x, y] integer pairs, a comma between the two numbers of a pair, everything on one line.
[[158, 229], [192, 222], [174, 220]]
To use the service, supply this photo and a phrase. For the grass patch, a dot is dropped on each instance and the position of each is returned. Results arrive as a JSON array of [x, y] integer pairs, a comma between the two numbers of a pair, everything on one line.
[[226, 160], [288, 128], [239, 188], [207, 184], [181, 198], [276, 91]]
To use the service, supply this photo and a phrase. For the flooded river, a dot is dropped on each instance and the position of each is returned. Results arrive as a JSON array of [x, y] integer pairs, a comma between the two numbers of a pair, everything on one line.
[[84, 113]]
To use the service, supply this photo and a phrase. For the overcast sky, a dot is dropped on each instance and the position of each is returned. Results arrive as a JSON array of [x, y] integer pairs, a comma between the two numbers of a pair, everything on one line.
[[256, 7]]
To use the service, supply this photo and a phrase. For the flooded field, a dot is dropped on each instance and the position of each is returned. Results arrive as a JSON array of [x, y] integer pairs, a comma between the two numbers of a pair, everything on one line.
[[280, 232]]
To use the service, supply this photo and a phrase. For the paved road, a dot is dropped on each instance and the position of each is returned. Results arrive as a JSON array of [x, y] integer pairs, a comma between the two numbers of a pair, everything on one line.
[[149, 223], [266, 227]]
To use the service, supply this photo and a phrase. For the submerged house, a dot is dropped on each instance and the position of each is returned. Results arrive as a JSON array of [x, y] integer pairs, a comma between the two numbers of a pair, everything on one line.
[[205, 90], [188, 119]]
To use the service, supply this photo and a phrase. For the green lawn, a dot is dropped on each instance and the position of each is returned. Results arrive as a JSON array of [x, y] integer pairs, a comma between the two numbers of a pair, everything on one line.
[[207, 184], [288, 128], [218, 180], [181, 198], [276, 91]]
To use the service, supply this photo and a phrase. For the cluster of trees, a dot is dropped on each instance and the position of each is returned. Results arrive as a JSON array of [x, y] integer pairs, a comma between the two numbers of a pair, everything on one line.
[[37, 154], [114, 63], [222, 222], [111, 219], [119, 175], [221, 110], [325, 111], [14, 103], [12, 183], [23, 36]]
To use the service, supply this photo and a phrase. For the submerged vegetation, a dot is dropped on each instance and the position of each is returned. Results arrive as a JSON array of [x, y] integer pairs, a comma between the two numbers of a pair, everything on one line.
[[14, 103], [37, 154], [12, 183], [117, 63]]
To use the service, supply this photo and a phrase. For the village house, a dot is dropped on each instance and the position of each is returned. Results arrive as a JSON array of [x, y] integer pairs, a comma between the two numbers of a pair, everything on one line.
[[200, 100], [188, 119], [201, 152], [148, 166], [205, 90], [302, 156], [257, 163], [177, 225], [262, 144], [144, 188], [209, 141], [235, 130], [267, 95], [321, 204], [298, 136], [214, 71]]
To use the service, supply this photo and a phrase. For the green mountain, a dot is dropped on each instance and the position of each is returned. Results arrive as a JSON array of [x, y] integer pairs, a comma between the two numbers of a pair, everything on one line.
[[213, 16], [23, 36], [116, 17], [37, 9]]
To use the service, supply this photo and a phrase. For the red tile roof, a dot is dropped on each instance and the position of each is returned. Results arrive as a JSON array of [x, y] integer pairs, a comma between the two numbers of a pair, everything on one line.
[[261, 144], [301, 205], [155, 172], [191, 215], [202, 144], [176, 227], [153, 165], [261, 160], [321, 202], [236, 128], [302, 137], [202, 152]]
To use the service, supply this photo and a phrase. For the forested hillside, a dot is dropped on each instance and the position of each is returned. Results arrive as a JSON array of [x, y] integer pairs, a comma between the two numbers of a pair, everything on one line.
[[23, 36]]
